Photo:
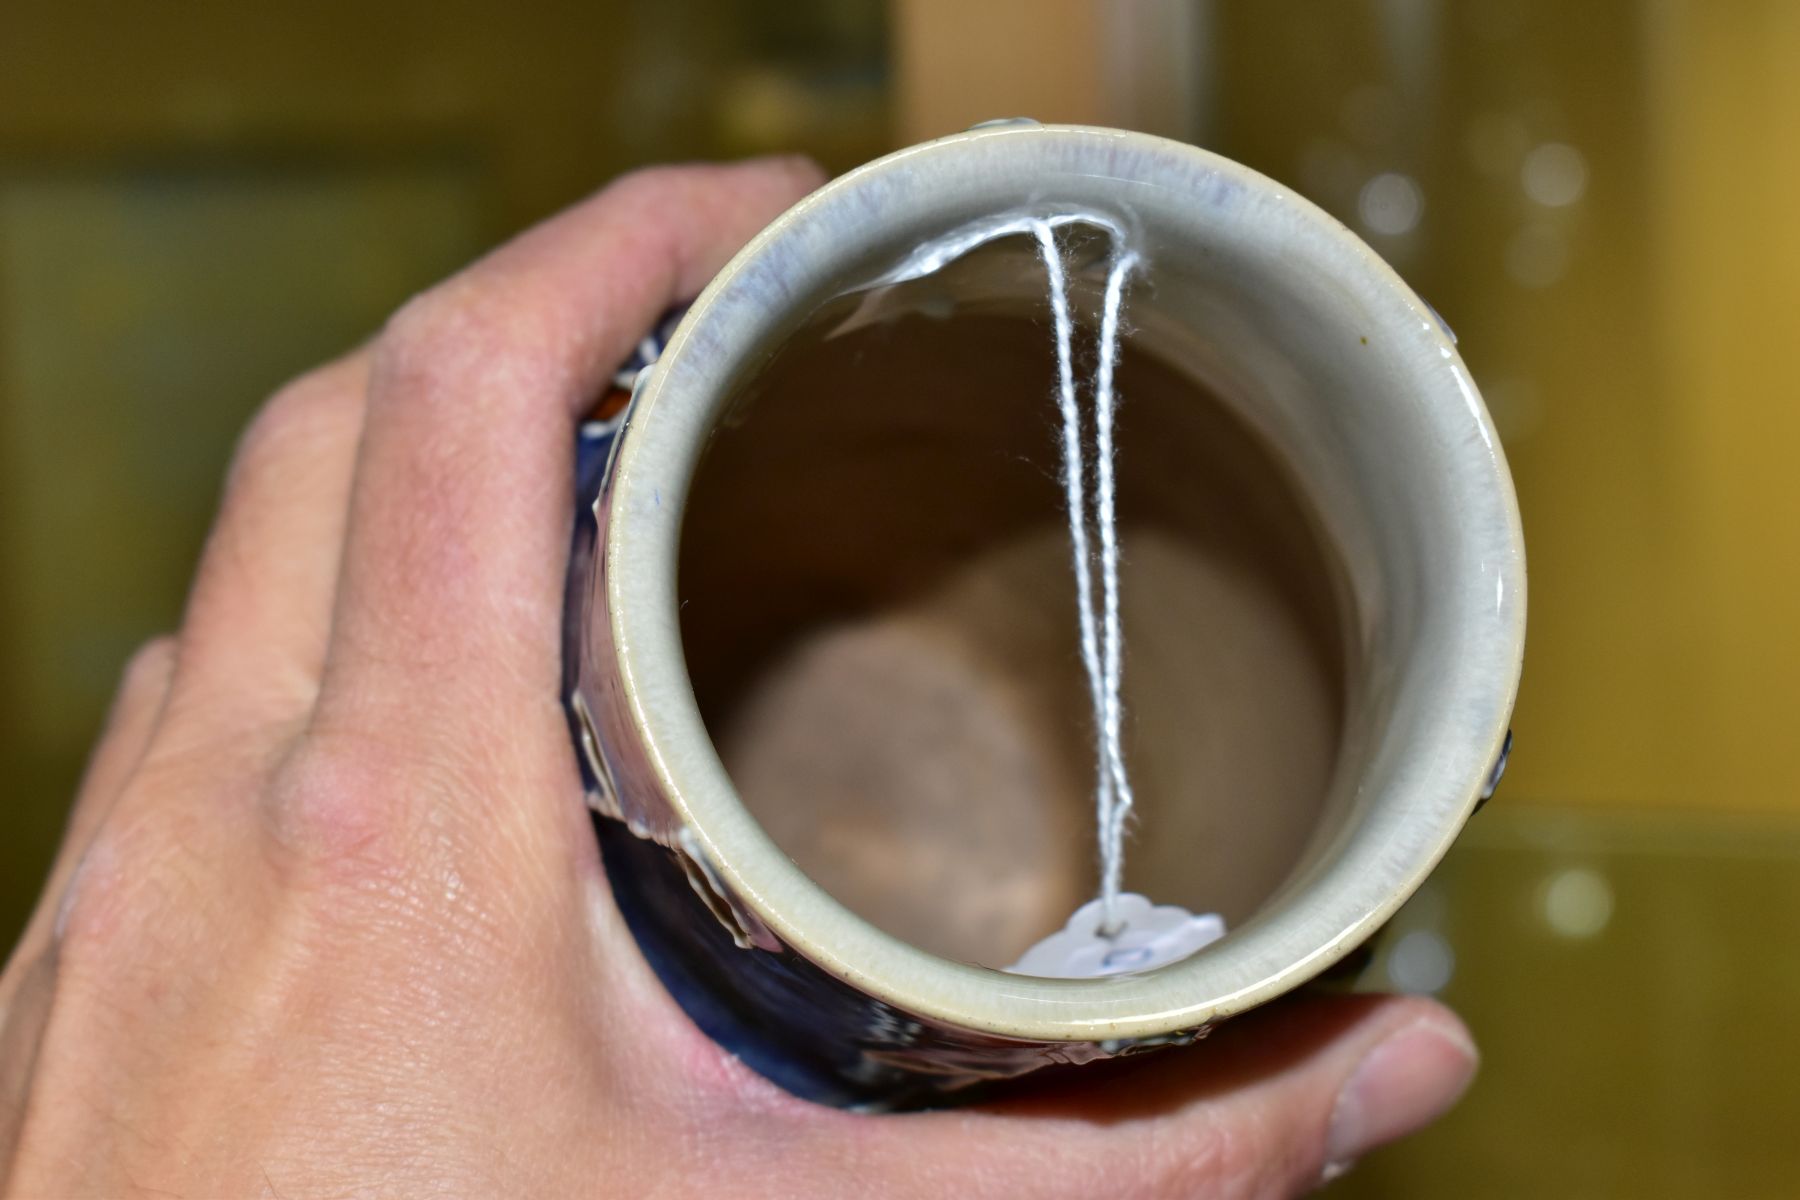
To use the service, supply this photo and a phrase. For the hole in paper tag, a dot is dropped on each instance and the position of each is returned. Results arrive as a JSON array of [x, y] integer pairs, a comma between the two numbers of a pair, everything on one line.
[[1148, 936]]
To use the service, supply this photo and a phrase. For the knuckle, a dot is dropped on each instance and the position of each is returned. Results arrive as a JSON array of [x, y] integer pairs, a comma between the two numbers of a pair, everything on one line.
[[342, 809], [727, 201], [148, 670], [460, 339], [304, 411], [793, 174], [127, 886], [95, 904], [808, 173], [649, 184], [368, 836], [435, 320]]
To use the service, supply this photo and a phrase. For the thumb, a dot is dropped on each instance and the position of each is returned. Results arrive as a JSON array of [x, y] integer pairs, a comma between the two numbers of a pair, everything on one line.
[[1270, 1105]]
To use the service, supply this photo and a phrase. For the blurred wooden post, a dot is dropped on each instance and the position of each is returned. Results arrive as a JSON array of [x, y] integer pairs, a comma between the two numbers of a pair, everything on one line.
[[1137, 64], [1726, 110]]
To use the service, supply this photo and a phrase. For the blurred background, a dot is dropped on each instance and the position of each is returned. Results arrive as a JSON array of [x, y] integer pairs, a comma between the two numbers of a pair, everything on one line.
[[198, 201]]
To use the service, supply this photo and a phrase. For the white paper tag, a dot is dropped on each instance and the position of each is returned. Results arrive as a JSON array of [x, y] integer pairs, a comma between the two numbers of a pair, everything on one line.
[[1148, 936]]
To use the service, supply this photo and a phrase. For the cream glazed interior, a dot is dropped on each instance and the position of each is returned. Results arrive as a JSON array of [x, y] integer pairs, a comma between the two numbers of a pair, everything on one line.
[[839, 583]]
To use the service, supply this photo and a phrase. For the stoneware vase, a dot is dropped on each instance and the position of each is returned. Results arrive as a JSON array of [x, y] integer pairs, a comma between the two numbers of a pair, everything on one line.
[[822, 659]]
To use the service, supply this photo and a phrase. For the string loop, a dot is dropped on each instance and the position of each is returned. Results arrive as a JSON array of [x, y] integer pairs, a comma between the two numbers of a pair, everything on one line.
[[1101, 632]]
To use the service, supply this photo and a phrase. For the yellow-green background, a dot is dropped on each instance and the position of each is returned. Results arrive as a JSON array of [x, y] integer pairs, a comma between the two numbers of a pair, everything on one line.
[[198, 200]]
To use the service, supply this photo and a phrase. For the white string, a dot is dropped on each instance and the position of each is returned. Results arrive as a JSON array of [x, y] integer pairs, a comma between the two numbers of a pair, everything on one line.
[[1112, 837], [1101, 634], [1074, 493]]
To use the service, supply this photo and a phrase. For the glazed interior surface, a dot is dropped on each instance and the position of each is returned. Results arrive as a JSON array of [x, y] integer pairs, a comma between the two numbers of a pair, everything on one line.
[[878, 613]]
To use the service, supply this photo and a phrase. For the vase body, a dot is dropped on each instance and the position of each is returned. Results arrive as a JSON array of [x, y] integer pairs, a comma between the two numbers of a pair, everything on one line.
[[820, 639]]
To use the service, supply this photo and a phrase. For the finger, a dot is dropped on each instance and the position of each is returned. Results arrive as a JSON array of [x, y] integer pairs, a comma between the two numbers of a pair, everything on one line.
[[129, 726], [449, 606], [254, 635], [143, 689], [1270, 1105]]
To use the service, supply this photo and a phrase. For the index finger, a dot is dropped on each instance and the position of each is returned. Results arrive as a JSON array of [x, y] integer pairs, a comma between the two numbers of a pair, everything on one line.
[[449, 603]]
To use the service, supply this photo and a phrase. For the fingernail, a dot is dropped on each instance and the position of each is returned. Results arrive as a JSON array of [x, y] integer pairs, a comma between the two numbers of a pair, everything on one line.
[[1405, 1083]]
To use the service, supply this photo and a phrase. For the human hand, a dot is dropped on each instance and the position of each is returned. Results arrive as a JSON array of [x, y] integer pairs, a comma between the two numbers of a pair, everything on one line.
[[329, 918]]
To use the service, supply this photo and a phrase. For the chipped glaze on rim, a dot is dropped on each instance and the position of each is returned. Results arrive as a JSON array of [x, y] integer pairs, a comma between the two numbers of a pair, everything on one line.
[[800, 259]]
